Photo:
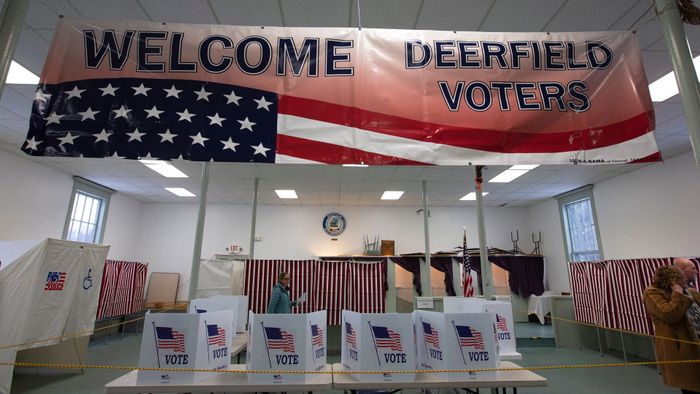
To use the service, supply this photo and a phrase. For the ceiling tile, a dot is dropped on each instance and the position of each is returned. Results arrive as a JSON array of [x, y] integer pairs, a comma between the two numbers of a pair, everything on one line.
[[520, 16], [198, 11], [248, 12]]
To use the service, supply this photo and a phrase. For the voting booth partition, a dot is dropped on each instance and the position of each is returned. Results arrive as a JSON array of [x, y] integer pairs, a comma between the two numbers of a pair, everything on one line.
[[238, 303], [457, 341], [204, 305], [48, 289], [378, 342], [286, 342], [503, 320], [184, 341]]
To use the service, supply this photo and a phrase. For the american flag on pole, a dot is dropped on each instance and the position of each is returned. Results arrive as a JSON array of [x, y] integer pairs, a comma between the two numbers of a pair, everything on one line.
[[469, 337], [467, 285], [216, 335], [55, 280], [168, 338], [316, 335], [350, 336], [501, 323], [386, 338], [430, 335], [279, 339]]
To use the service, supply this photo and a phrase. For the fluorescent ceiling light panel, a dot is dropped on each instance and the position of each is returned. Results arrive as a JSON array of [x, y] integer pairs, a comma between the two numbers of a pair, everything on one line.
[[286, 194], [507, 176], [355, 165], [524, 167], [20, 75], [472, 196], [665, 87], [164, 168], [392, 195], [180, 192]]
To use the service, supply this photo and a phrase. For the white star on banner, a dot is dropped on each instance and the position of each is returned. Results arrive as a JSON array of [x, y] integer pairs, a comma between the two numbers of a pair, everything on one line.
[[75, 92], [246, 124], [135, 135], [202, 94], [198, 139], [115, 155], [108, 90], [41, 96], [172, 92], [88, 114], [216, 119], [260, 149], [140, 90], [54, 118], [167, 136], [102, 136], [121, 112], [153, 112], [186, 115], [32, 143], [67, 139], [262, 103], [229, 144], [232, 98]]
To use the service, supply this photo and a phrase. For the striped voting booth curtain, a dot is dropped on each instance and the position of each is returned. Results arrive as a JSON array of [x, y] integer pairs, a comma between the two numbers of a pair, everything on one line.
[[329, 285], [609, 293], [122, 290]]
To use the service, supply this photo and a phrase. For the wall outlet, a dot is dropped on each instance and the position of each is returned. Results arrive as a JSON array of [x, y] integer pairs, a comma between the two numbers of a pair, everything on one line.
[[258, 238]]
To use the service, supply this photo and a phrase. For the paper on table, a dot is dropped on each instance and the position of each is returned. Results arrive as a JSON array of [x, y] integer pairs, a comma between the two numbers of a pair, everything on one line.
[[301, 299]]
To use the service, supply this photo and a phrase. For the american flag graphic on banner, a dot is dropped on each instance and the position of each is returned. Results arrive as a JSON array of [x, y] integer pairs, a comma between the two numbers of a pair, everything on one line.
[[467, 285], [216, 335], [279, 339], [501, 323], [350, 336], [55, 280], [168, 338], [316, 335], [430, 335], [386, 338], [469, 337]]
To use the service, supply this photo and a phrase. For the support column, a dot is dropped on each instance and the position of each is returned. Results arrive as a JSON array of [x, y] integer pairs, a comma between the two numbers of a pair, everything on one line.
[[486, 273], [686, 78], [425, 267], [199, 232], [253, 218], [11, 22]]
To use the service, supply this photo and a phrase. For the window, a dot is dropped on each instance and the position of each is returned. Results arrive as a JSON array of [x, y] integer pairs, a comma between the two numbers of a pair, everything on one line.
[[579, 225], [87, 212]]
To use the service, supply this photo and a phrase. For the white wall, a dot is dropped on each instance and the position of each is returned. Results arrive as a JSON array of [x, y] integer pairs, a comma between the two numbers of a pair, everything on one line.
[[295, 232], [650, 212], [35, 199]]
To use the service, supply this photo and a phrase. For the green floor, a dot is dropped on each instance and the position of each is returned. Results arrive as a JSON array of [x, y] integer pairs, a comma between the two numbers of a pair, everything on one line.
[[637, 380]]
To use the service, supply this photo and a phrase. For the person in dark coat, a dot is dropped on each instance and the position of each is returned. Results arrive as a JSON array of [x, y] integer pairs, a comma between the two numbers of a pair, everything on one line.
[[279, 301], [671, 308]]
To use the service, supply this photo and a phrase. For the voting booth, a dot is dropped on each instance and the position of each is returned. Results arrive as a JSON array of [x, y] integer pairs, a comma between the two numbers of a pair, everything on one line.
[[463, 341], [48, 289], [378, 342], [503, 320], [239, 303], [203, 305], [286, 342], [185, 341]]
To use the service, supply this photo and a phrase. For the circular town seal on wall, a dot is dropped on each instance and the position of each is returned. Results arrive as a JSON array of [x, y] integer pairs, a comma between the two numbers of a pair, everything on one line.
[[334, 224]]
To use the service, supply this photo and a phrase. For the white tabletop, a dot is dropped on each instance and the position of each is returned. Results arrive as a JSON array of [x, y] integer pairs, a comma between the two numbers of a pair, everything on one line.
[[239, 343], [519, 378], [228, 382], [510, 356]]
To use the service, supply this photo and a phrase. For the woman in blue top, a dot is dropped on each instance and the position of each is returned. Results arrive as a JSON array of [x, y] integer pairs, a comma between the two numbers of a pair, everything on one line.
[[279, 301]]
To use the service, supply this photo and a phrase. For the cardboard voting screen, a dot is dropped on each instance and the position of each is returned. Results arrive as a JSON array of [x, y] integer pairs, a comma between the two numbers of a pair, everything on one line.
[[187, 341], [286, 342], [241, 303], [378, 342], [470, 343], [203, 305]]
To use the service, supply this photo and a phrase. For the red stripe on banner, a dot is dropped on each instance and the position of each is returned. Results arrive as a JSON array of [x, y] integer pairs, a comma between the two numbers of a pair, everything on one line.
[[482, 139]]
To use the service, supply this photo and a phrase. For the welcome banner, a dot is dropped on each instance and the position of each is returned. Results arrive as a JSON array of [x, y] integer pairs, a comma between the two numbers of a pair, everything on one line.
[[341, 95]]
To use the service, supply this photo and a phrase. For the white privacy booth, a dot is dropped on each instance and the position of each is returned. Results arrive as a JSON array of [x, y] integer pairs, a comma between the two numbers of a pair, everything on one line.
[[456, 341], [48, 293], [286, 342], [503, 320], [378, 342], [188, 341], [240, 305], [204, 305]]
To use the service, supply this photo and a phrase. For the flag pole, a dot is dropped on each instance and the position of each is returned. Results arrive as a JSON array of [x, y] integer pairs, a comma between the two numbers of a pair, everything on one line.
[[206, 331], [374, 342], [155, 336], [266, 347], [424, 342], [459, 342]]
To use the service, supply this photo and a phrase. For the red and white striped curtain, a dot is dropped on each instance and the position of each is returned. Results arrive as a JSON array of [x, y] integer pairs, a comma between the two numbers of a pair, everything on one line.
[[330, 285], [122, 290]]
